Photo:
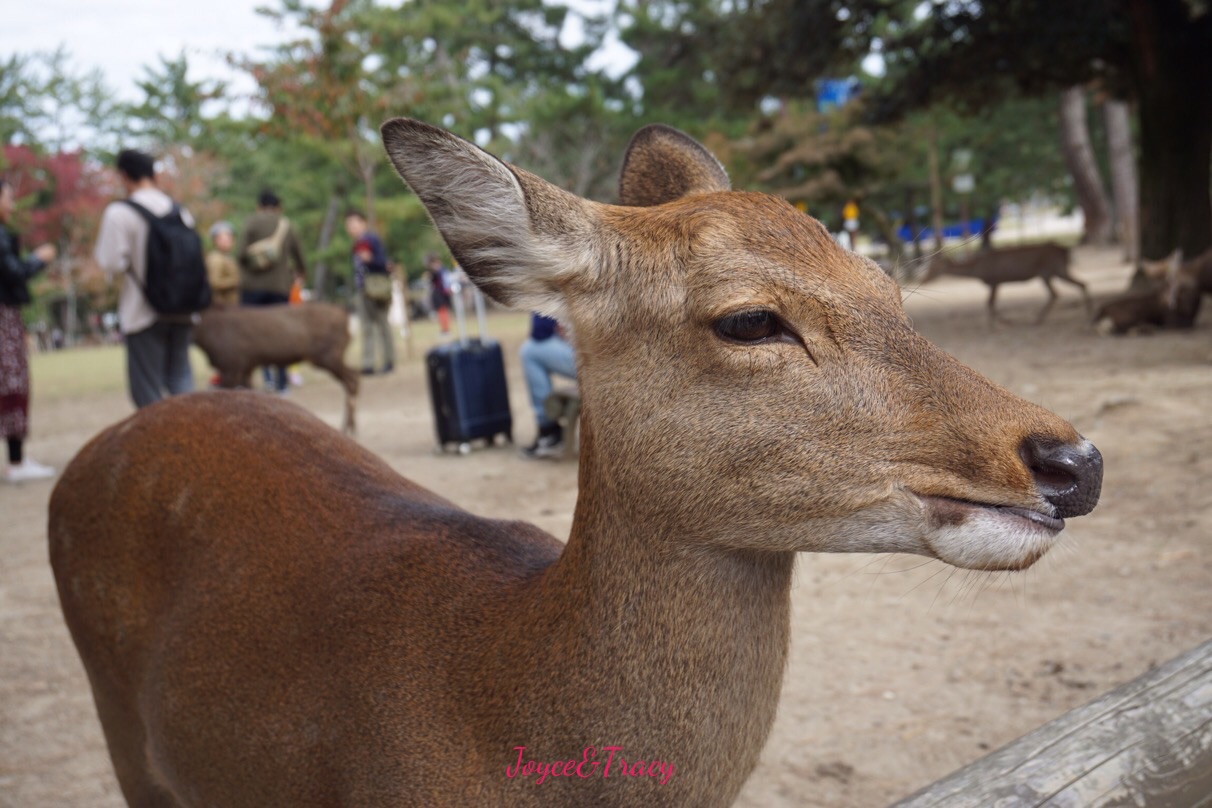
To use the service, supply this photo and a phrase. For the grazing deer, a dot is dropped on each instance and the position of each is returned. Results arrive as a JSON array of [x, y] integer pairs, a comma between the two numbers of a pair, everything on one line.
[[1012, 265], [750, 390], [239, 340]]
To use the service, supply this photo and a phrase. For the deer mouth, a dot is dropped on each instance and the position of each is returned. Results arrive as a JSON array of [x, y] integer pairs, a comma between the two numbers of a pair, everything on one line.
[[950, 512], [984, 536]]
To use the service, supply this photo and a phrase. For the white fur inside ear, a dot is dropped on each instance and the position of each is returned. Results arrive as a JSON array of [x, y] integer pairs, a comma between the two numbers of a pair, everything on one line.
[[485, 215]]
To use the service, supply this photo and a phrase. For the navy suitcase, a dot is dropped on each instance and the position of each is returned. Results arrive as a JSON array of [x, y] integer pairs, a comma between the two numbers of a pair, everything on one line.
[[467, 386]]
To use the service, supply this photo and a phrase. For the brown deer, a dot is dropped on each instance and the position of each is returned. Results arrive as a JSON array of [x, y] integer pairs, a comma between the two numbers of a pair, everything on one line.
[[1167, 295], [237, 341], [1012, 265], [750, 390]]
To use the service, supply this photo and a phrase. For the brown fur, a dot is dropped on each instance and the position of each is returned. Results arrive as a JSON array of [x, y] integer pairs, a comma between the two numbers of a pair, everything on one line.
[[1168, 296], [1012, 265], [239, 340], [374, 645]]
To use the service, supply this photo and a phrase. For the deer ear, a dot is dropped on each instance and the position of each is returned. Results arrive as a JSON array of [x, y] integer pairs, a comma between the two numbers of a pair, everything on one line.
[[517, 237], [1175, 260], [662, 164]]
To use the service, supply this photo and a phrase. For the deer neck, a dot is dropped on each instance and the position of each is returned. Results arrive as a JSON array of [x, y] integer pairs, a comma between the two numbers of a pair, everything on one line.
[[672, 649]]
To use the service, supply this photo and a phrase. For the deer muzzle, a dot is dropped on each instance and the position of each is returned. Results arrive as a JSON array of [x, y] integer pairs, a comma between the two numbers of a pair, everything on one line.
[[1068, 476]]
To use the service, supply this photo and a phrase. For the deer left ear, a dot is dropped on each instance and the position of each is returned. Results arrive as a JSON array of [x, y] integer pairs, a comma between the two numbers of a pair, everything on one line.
[[663, 164], [519, 238], [1175, 260]]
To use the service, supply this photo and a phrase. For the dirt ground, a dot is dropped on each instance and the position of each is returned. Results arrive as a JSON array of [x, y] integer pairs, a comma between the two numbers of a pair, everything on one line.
[[901, 669]]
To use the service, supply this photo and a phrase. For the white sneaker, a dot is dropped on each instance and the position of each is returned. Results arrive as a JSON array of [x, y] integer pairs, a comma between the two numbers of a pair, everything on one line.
[[28, 470]]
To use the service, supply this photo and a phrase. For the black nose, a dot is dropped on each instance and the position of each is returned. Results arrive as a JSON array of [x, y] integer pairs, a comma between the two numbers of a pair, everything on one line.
[[1068, 475]]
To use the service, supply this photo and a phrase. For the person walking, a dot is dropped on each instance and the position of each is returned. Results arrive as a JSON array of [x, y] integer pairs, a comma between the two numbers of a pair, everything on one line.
[[439, 291], [269, 251], [372, 281], [157, 347], [544, 353], [221, 267], [15, 274]]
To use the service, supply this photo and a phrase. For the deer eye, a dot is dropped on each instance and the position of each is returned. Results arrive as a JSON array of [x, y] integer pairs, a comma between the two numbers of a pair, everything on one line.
[[756, 325]]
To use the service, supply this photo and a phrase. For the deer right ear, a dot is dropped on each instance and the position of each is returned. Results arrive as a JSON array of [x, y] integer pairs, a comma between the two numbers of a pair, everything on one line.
[[662, 164], [516, 236]]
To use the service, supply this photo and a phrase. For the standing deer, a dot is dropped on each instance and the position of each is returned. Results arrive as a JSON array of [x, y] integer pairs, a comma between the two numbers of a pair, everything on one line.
[[1012, 265], [750, 390], [237, 341]]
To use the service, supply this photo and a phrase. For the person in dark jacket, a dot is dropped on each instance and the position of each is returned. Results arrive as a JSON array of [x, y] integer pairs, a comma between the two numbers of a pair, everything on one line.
[[372, 280], [439, 290], [15, 274]]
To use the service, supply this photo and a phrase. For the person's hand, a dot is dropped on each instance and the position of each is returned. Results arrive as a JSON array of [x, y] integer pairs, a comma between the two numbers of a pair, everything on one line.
[[46, 253]]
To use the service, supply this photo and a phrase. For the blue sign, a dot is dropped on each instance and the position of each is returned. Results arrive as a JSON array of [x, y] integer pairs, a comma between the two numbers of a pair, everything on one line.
[[834, 93]]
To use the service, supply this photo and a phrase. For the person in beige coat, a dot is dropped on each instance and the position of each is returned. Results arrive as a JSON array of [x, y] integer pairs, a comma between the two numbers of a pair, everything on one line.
[[221, 268]]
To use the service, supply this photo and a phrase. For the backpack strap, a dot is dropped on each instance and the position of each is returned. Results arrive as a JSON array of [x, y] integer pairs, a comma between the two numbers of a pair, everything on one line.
[[279, 235], [151, 219]]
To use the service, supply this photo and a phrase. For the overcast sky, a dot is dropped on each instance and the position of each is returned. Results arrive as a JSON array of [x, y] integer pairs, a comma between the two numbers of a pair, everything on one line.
[[121, 36]]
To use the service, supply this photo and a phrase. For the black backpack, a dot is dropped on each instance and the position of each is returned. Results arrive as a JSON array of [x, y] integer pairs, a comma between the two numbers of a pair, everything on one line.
[[176, 280]]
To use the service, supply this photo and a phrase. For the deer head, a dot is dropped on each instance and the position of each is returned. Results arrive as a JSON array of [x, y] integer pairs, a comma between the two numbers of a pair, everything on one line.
[[746, 382]]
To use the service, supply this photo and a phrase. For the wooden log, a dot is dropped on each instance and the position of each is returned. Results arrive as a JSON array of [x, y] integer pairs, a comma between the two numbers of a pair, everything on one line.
[[1147, 743]]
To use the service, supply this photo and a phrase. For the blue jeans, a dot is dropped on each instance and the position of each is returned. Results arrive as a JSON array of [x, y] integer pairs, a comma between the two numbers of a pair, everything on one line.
[[257, 297], [539, 361]]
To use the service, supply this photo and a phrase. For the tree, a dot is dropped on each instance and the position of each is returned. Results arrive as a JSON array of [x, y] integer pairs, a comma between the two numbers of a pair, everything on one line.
[[316, 86], [1123, 175], [1156, 53], [15, 95], [1079, 156], [63, 196], [171, 113], [65, 108]]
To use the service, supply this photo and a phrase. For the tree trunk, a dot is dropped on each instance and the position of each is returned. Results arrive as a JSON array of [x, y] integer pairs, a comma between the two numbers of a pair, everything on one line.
[[1172, 72], [911, 220], [1123, 175], [936, 191], [70, 325], [1079, 157], [327, 228], [887, 231], [995, 209]]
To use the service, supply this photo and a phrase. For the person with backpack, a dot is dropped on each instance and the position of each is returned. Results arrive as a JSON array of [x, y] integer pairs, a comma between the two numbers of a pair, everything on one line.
[[150, 241], [270, 259]]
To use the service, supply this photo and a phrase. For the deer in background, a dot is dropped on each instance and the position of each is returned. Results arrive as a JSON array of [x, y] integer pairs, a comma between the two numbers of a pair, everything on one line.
[[750, 390], [1168, 297], [237, 341], [1011, 265]]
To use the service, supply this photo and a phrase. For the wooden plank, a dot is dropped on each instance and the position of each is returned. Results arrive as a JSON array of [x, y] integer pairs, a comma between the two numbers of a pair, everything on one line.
[[1147, 743]]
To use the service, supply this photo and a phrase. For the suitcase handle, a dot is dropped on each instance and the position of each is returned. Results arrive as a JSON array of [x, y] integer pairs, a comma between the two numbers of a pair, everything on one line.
[[456, 294]]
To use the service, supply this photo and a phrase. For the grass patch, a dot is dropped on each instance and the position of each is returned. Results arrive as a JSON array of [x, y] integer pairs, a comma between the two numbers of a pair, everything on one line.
[[96, 370]]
